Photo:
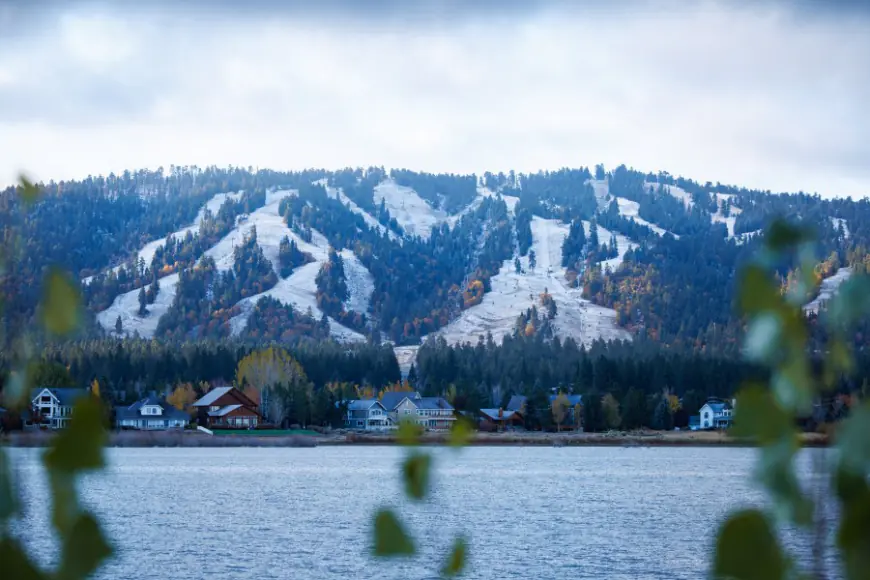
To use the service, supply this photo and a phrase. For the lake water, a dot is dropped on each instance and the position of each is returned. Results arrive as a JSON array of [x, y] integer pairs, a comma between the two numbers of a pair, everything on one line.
[[528, 512]]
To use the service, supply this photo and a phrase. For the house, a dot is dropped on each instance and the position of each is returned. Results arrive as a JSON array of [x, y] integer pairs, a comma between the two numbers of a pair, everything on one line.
[[428, 412], [367, 414], [227, 407], [573, 402], [54, 405], [716, 414], [150, 413], [500, 419]]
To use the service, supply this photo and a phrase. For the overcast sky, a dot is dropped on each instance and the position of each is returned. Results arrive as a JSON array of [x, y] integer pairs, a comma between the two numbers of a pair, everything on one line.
[[760, 95]]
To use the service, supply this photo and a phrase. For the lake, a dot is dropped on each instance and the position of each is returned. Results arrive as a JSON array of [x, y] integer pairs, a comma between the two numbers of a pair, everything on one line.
[[540, 512]]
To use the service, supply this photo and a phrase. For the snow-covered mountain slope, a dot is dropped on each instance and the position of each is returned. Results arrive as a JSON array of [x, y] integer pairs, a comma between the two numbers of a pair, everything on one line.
[[840, 222], [367, 217], [146, 253], [629, 209], [828, 289], [601, 189], [623, 245], [412, 212], [675, 191], [513, 293], [127, 307], [733, 212], [360, 283]]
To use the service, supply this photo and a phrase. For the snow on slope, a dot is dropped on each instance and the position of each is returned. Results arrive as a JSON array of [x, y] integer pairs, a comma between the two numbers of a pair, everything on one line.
[[406, 355], [367, 217], [360, 283], [675, 191], [623, 244], [629, 209], [601, 188], [841, 222], [513, 293], [733, 212], [127, 306], [828, 288], [148, 250], [270, 229], [412, 212]]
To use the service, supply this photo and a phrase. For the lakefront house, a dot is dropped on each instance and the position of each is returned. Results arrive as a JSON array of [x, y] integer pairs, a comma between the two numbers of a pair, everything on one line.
[[227, 407], [716, 414], [433, 413], [150, 413], [54, 405]]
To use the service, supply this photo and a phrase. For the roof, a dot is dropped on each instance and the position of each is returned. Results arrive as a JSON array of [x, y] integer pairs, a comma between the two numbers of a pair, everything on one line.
[[433, 403], [392, 399], [224, 411], [573, 400], [717, 407], [212, 396], [66, 396], [362, 404], [493, 414], [516, 403], [134, 411]]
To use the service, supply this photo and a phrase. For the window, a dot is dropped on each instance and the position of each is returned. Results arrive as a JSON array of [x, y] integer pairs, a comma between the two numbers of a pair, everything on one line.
[[407, 411]]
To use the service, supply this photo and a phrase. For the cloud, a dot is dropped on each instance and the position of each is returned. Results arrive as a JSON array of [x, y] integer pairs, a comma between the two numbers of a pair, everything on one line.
[[754, 96]]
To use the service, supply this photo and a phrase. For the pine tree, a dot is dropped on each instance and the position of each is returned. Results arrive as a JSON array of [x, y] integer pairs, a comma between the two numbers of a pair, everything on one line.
[[119, 326], [532, 260], [517, 266], [143, 302]]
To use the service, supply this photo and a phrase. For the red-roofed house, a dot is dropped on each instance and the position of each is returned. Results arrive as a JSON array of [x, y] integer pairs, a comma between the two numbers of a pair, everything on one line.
[[227, 407]]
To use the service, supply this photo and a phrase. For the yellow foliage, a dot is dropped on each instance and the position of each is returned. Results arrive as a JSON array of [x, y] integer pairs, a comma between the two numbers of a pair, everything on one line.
[[182, 397], [674, 403], [95, 388]]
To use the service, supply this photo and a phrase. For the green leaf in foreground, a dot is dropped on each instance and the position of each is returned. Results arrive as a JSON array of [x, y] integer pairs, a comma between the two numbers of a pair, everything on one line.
[[8, 499], [758, 417], [390, 536], [28, 192], [14, 562], [747, 549], [80, 446], [409, 432], [84, 548], [416, 474], [853, 439], [456, 559], [60, 303], [853, 537], [461, 434]]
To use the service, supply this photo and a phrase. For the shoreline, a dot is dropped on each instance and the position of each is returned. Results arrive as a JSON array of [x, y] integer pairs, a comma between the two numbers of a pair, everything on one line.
[[143, 439]]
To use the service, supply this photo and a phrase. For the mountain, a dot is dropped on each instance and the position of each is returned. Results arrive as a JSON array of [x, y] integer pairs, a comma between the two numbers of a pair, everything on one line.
[[402, 256]]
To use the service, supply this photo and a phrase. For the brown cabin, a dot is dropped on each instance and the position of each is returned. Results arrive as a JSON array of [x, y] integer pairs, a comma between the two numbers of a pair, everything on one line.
[[227, 408]]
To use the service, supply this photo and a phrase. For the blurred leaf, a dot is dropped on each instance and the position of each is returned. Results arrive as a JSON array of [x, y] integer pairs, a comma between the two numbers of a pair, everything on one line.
[[409, 432], [762, 337], [416, 473], [456, 559], [390, 536], [851, 302], [14, 392], [758, 417], [776, 472], [80, 446], [83, 550], [14, 562], [27, 191], [853, 537], [60, 303], [781, 236], [758, 292], [64, 500], [8, 499], [853, 440], [839, 358], [461, 434], [793, 386], [747, 549]]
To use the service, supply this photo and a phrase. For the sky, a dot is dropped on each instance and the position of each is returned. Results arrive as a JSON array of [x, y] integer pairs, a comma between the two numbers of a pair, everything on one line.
[[769, 95]]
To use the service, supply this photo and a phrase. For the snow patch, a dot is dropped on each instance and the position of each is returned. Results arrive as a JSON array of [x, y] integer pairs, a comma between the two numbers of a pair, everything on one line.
[[367, 217], [733, 212], [841, 222], [677, 192], [623, 245], [360, 283], [406, 356], [412, 212], [146, 253], [828, 289], [513, 293], [629, 209], [601, 189], [127, 307]]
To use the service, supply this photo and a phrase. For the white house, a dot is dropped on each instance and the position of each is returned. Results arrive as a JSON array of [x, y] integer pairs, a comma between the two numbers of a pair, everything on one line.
[[716, 414], [151, 414], [367, 414], [55, 405], [428, 412]]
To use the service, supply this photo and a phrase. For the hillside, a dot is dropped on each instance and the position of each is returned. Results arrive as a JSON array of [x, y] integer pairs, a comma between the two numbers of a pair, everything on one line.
[[402, 256]]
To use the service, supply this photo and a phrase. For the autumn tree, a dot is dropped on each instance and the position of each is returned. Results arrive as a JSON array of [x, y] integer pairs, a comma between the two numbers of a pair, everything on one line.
[[278, 378], [560, 407], [183, 397], [610, 408]]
